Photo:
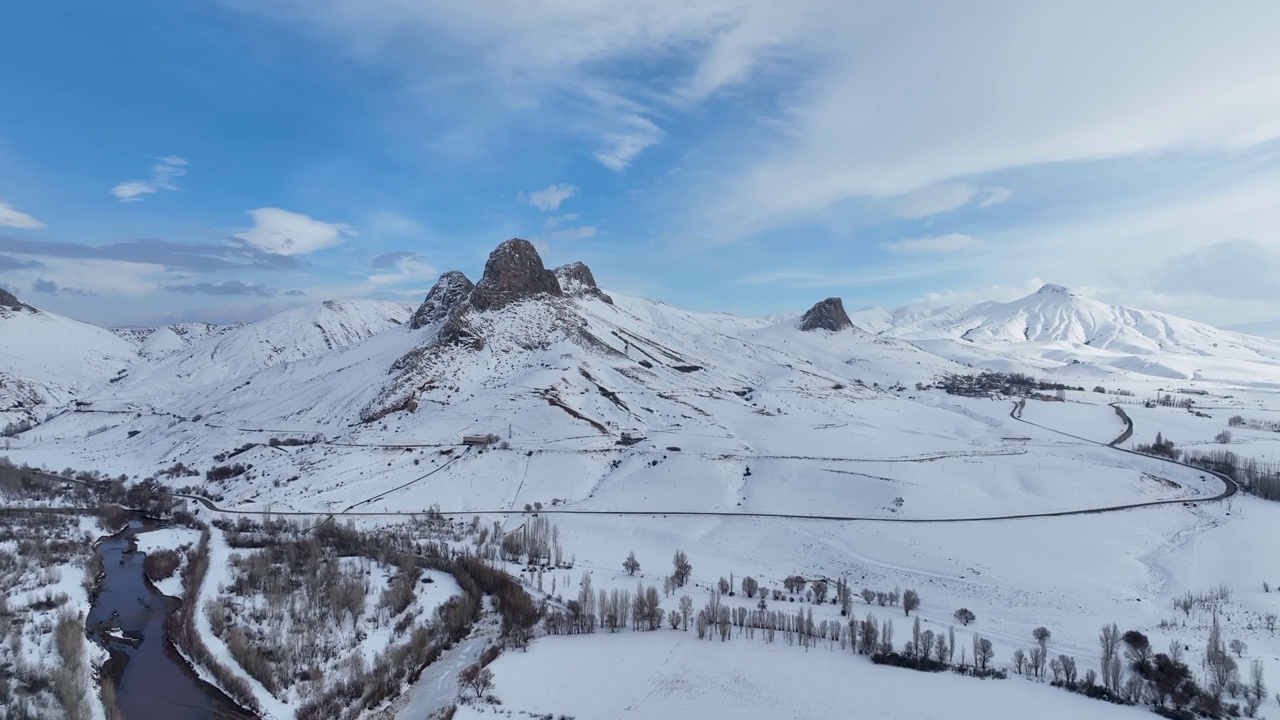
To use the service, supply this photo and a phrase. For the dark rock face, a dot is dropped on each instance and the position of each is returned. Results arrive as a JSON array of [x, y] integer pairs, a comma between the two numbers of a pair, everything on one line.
[[514, 272], [576, 280], [828, 314], [9, 301], [448, 293]]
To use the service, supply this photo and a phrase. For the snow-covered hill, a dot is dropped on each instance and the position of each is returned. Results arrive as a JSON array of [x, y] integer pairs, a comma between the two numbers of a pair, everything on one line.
[[1054, 328], [240, 351], [156, 343], [47, 360]]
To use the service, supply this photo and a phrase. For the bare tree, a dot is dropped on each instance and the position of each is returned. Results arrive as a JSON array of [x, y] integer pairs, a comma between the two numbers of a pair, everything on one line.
[[982, 652], [673, 619], [943, 649], [686, 611], [631, 565], [681, 568], [910, 601], [1068, 665], [951, 644], [1019, 660], [723, 585], [1185, 603], [1239, 647], [1109, 643], [749, 586], [479, 680], [964, 616], [1035, 661], [820, 591], [1137, 650], [868, 594], [1257, 683]]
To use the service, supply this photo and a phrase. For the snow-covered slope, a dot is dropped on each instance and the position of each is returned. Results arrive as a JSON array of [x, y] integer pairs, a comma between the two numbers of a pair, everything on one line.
[[47, 360], [156, 343], [1055, 327], [287, 337]]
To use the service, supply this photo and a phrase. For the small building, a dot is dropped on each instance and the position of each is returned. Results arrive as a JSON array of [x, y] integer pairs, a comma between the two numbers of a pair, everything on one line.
[[479, 439]]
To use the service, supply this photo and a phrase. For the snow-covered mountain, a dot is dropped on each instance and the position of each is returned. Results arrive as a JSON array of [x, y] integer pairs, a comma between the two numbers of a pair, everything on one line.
[[155, 343], [1054, 328], [288, 337], [527, 344], [47, 360]]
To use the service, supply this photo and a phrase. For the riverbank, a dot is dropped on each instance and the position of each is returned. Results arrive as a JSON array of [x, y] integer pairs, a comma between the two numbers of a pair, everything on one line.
[[145, 676]]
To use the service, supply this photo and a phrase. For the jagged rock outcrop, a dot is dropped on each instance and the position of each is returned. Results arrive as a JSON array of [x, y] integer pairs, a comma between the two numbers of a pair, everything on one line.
[[9, 301], [448, 293], [827, 314], [514, 272], [576, 280]]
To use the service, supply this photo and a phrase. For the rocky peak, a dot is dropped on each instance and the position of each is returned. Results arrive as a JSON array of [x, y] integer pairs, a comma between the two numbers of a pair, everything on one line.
[[9, 301], [448, 293], [827, 314], [576, 280], [1051, 289], [514, 272]]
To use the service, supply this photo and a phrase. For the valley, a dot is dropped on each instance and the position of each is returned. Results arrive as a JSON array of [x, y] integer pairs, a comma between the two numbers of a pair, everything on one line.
[[759, 449]]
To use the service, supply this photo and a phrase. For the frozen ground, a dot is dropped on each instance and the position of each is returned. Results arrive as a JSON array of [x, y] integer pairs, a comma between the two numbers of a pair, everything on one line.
[[667, 674]]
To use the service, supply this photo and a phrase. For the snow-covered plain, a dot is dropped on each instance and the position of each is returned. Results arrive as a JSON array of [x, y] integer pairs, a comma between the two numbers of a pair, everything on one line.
[[669, 674]]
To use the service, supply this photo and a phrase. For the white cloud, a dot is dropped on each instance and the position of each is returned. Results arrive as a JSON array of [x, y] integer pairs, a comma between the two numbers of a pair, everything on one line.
[[950, 242], [558, 220], [408, 266], [281, 232], [164, 172], [575, 233], [548, 198], [94, 277], [934, 200], [11, 217], [622, 145], [896, 104], [994, 196]]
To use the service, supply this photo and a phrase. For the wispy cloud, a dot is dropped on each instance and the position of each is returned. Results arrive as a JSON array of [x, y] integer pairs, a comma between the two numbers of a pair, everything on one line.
[[49, 287], [164, 172], [230, 287], [934, 200], [548, 198], [191, 257], [280, 232], [951, 242], [11, 217], [575, 233], [406, 264], [994, 196]]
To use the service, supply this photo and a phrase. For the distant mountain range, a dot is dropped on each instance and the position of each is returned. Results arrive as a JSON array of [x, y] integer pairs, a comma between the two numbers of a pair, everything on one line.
[[524, 335]]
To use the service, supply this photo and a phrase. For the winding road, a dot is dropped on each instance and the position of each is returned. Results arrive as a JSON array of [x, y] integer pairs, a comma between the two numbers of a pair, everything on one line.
[[1230, 488]]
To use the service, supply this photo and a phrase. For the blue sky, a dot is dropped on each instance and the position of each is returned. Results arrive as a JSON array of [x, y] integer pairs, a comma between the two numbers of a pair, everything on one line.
[[166, 161]]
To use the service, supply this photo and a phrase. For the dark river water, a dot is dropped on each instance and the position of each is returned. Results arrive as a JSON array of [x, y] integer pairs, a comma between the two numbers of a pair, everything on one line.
[[153, 681]]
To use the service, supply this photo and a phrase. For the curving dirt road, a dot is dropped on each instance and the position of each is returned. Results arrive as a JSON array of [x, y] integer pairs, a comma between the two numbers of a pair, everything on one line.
[[1229, 488]]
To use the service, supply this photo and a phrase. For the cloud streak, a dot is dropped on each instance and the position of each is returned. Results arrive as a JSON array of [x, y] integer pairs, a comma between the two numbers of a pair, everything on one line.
[[11, 217], [230, 287], [190, 257], [164, 173], [549, 198], [951, 242]]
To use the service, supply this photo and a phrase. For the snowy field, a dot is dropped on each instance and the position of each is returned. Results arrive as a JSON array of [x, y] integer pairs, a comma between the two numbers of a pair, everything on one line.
[[670, 674]]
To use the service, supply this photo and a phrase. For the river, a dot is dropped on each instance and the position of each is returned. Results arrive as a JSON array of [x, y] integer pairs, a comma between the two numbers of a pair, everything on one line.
[[153, 681]]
